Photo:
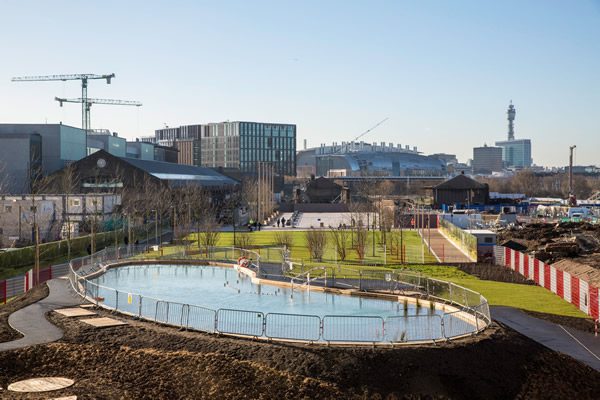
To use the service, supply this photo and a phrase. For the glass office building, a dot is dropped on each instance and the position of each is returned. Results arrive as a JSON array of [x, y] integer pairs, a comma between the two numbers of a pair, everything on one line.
[[516, 153], [242, 145]]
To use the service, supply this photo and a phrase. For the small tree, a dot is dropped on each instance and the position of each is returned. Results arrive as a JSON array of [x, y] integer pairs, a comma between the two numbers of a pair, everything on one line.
[[340, 240], [284, 239], [243, 240], [316, 241], [362, 238], [209, 232]]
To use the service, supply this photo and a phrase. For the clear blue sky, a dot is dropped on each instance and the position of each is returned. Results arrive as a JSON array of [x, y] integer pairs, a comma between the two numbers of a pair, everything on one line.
[[442, 71]]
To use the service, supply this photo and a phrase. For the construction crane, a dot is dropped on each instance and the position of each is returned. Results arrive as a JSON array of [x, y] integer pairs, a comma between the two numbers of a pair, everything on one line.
[[87, 103], [85, 117]]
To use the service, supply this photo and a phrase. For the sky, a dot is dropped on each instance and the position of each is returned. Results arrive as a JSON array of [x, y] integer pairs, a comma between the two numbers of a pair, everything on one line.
[[443, 72]]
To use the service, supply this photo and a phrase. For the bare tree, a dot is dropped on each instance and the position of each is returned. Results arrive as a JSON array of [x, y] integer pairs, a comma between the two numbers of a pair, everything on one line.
[[361, 242], [243, 240], [284, 238], [340, 240], [316, 240], [68, 181]]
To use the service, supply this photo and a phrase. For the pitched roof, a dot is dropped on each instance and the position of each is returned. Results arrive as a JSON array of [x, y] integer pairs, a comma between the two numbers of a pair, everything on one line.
[[460, 182], [179, 174]]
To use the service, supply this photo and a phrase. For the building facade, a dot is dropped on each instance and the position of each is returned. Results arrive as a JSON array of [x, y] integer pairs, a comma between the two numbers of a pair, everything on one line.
[[487, 160], [516, 153], [356, 159], [61, 144], [243, 145], [20, 162], [140, 150], [52, 213], [188, 152], [102, 139]]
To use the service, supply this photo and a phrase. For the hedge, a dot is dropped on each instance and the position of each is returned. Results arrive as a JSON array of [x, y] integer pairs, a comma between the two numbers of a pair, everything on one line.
[[55, 250]]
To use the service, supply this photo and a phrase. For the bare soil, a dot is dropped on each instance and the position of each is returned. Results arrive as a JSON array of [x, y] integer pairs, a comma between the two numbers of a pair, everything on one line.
[[36, 294], [147, 361], [582, 324], [553, 242]]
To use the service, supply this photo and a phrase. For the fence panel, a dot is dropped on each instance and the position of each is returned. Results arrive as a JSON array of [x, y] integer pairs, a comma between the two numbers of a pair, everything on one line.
[[249, 323], [412, 328], [60, 270], [148, 309], [341, 328], [584, 296], [14, 286], [293, 326], [458, 324], [200, 318], [439, 289]]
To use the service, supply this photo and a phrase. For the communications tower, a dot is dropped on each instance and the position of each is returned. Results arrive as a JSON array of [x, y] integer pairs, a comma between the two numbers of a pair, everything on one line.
[[511, 121]]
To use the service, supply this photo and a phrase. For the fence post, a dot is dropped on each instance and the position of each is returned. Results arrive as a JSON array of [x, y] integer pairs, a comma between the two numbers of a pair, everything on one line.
[[360, 280], [140, 307], [116, 300], [4, 291]]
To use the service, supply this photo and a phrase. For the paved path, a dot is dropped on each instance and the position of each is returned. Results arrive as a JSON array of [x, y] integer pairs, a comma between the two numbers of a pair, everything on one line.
[[443, 249], [31, 320], [580, 345]]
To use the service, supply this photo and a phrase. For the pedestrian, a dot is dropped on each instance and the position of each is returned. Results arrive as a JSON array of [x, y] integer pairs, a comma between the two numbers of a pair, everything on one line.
[[259, 225], [278, 222], [282, 221]]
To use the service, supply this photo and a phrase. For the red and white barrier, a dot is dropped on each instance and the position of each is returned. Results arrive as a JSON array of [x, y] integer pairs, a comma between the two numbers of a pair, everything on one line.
[[574, 290]]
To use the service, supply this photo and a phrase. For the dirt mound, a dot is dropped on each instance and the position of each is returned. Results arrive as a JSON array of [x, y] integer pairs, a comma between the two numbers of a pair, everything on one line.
[[553, 242], [147, 361]]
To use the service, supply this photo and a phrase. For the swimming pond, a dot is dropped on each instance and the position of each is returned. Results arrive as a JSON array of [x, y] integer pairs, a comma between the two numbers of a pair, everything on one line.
[[221, 299]]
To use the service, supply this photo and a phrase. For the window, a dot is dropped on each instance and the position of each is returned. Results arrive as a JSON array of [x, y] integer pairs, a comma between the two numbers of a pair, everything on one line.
[[488, 240], [7, 209], [74, 202]]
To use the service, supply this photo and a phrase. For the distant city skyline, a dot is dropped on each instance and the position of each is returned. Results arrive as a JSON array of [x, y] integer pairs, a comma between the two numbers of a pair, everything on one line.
[[443, 72]]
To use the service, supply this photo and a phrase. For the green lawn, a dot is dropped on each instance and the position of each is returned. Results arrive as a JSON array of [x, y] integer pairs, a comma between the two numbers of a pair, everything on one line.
[[415, 251], [526, 297]]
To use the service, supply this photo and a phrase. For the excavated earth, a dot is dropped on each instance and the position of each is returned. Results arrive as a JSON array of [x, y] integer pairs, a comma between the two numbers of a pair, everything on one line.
[[147, 361], [573, 247], [552, 242]]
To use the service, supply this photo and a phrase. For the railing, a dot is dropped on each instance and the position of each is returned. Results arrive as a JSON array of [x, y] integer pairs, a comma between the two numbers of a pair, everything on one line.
[[465, 313]]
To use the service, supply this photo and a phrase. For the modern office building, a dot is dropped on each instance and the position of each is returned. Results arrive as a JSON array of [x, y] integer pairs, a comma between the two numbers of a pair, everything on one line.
[[487, 160], [516, 153], [168, 136], [61, 144], [20, 162], [188, 152], [242, 145], [102, 139]]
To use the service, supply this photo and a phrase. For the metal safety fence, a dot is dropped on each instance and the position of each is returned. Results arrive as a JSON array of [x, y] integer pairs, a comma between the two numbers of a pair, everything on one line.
[[462, 313]]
